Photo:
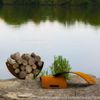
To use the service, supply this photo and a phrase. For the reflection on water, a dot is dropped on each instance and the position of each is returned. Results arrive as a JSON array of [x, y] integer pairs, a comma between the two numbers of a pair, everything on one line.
[[20, 15], [75, 34]]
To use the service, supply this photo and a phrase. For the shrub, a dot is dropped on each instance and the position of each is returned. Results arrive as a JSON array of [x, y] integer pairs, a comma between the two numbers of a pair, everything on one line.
[[59, 65]]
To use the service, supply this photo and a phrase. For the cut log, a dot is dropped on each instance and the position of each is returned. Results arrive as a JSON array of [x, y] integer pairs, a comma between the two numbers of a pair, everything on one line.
[[33, 55], [22, 67], [22, 74], [26, 56], [19, 61], [10, 61], [31, 61], [17, 71], [15, 65], [28, 69], [37, 58], [29, 76], [15, 56], [24, 62]]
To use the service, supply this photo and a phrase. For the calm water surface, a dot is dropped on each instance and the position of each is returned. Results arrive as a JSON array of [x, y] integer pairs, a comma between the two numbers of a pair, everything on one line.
[[74, 34]]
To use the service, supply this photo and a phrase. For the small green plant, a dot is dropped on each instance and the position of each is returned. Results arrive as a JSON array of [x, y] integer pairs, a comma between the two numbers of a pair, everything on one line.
[[60, 65]]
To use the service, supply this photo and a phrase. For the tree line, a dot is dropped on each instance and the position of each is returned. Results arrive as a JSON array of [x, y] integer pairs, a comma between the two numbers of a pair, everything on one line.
[[50, 2]]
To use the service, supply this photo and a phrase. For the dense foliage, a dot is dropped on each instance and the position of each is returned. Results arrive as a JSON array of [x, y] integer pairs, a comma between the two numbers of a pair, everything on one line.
[[51, 2]]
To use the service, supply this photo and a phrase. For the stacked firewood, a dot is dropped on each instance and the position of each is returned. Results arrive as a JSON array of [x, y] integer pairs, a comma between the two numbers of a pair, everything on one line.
[[25, 66]]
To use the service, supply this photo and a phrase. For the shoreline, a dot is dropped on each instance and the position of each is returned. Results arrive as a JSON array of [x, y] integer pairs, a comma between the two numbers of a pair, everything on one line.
[[15, 89]]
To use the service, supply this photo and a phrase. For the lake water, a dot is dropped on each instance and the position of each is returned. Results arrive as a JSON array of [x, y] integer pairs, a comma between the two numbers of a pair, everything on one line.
[[71, 32]]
